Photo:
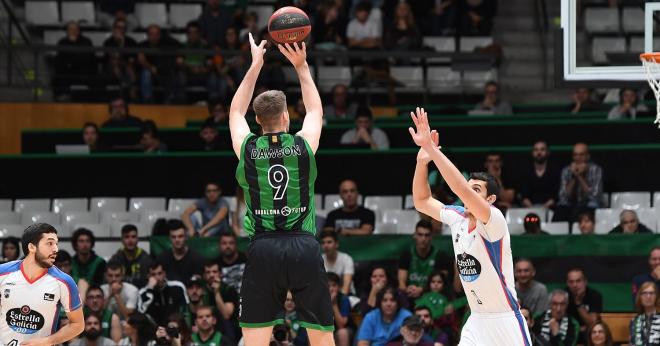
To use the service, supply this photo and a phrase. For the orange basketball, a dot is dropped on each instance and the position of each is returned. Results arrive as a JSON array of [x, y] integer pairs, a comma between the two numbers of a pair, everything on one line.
[[289, 24]]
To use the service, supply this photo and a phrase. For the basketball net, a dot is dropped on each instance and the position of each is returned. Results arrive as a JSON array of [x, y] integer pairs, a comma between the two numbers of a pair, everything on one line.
[[651, 62]]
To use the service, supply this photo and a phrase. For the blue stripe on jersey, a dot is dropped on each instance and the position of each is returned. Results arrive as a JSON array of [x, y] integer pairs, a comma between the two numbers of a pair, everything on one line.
[[74, 296], [56, 319], [521, 325], [10, 267], [458, 208]]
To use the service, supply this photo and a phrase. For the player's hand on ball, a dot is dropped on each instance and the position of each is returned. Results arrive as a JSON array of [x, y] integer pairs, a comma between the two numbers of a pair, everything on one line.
[[422, 136], [297, 55], [257, 51], [422, 155]]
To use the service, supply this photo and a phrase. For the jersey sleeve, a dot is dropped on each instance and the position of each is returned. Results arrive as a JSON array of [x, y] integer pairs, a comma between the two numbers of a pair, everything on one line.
[[69, 295], [496, 227], [451, 214]]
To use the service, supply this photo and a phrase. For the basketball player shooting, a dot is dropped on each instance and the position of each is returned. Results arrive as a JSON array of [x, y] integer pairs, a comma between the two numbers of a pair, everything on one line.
[[481, 241], [276, 171]]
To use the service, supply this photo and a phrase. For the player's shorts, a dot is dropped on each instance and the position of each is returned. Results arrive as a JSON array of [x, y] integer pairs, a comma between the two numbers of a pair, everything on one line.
[[495, 329], [278, 262]]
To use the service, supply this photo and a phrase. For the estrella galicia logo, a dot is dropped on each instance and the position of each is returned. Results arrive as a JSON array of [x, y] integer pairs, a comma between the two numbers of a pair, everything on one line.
[[468, 267], [24, 320]]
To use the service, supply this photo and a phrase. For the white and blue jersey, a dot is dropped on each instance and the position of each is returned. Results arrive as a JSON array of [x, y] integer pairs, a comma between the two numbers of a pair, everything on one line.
[[485, 266], [30, 309]]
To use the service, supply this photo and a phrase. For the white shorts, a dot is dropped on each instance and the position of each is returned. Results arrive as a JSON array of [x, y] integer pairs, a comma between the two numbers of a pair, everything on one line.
[[495, 329]]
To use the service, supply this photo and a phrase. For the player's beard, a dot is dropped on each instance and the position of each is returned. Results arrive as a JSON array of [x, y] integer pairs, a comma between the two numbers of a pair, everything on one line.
[[42, 261]]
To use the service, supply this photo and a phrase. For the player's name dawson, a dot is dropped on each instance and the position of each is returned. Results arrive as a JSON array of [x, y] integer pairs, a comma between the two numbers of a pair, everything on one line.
[[269, 153]]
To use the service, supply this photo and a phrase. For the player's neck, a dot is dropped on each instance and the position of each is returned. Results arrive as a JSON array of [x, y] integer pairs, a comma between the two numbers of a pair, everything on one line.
[[274, 129], [31, 269]]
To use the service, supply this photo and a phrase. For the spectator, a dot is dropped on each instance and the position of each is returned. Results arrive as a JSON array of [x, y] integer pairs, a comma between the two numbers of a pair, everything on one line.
[[402, 33], [442, 18], [194, 68], [433, 299], [583, 102], [532, 225], [180, 262], [85, 263], [214, 22], [112, 10], [120, 67], [341, 107], [291, 331], [341, 309], [541, 182], [586, 222], [135, 260], [336, 261], [223, 297], [581, 185], [652, 276], [585, 304], [555, 326], [175, 322], [645, 326], [420, 260], [150, 139], [121, 297], [531, 293], [210, 138], [63, 262], [379, 278], [364, 32], [364, 133], [330, 27], [214, 212], [600, 335], [196, 296], [72, 68], [299, 111], [206, 333], [92, 334], [250, 26], [412, 333], [431, 334], [158, 69], [494, 166], [492, 104], [90, 134], [95, 303], [11, 250], [629, 224], [139, 331], [477, 18], [628, 106], [383, 324], [217, 113], [351, 218], [161, 297], [232, 262], [530, 326], [119, 115]]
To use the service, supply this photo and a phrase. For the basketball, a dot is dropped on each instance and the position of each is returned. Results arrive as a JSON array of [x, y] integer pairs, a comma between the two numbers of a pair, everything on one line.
[[289, 24]]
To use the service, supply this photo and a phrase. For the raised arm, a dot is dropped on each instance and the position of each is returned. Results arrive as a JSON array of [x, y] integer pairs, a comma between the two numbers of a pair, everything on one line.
[[239, 104], [421, 191], [457, 183], [313, 123]]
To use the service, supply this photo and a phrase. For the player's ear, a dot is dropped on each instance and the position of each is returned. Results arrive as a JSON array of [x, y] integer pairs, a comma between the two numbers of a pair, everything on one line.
[[32, 247], [491, 199], [257, 119]]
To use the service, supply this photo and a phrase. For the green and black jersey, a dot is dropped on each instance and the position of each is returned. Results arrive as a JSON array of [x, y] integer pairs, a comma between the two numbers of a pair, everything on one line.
[[277, 172]]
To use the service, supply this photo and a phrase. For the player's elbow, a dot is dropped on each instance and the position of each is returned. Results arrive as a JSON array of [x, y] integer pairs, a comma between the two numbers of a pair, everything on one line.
[[77, 328]]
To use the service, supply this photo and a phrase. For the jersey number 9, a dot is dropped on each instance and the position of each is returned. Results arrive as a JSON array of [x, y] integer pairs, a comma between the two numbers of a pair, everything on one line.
[[278, 178]]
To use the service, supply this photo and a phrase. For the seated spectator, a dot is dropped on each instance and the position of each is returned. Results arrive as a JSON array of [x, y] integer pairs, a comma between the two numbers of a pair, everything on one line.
[[135, 260], [214, 22], [72, 68], [581, 185], [492, 104], [442, 19], [629, 224], [217, 113], [194, 68], [653, 275], [433, 298], [383, 324], [645, 326], [585, 303], [112, 10], [63, 262], [532, 225], [341, 309], [299, 111], [556, 326], [527, 315], [180, 262], [91, 136], [161, 297], [119, 115], [95, 303], [85, 263], [531, 293], [378, 279], [92, 334], [139, 330], [120, 67], [121, 297], [340, 107], [250, 26], [336, 261], [210, 137], [628, 106], [420, 261], [495, 167], [292, 330], [214, 212], [412, 333], [11, 249], [431, 333], [351, 218], [541, 181], [206, 333], [364, 133], [600, 335], [402, 33], [477, 16], [583, 102], [329, 27], [150, 139], [175, 322], [232, 262], [222, 297], [586, 223], [158, 69]]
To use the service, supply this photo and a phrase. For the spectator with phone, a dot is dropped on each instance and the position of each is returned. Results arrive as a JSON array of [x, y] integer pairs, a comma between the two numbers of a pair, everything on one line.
[[174, 333]]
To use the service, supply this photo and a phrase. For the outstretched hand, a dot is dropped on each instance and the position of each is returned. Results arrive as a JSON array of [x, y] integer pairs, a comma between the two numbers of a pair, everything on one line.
[[422, 137], [257, 51], [297, 55], [422, 155]]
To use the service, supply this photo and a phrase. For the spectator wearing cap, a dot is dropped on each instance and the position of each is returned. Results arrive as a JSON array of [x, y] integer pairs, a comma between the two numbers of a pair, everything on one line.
[[86, 264], [629, 224], [412, 333], [383, 324], [532, 225], [134, 259], [365, 133], [180, 262], [195, 290]]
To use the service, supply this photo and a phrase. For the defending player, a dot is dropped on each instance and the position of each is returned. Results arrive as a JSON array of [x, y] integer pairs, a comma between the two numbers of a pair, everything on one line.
[[32, 291], [481, 244], [277, 171]]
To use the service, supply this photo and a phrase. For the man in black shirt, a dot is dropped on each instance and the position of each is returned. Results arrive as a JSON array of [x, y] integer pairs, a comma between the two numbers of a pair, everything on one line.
[[73, 67], [585, 304], [214, 22], [351, 218], [120, 67], [232, 262], [541, 182], [119, 117], [161, 297], [157, 69], [180, 262]]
